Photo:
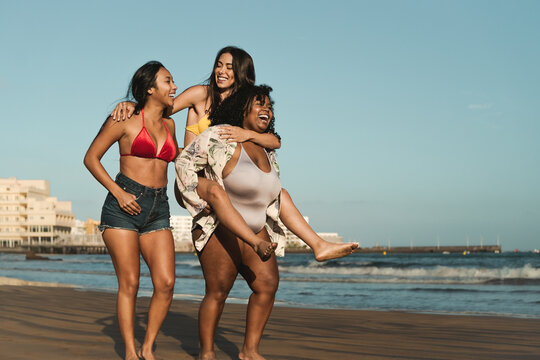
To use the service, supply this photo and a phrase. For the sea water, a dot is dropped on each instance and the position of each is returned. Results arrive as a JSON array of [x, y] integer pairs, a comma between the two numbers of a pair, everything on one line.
[[506, 284]]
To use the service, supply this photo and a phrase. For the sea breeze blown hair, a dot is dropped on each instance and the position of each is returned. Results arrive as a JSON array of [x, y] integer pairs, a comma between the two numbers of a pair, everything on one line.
[[143, 79], [244, 73]]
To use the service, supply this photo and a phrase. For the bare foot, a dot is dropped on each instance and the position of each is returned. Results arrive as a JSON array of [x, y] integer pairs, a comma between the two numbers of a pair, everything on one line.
[[265, 249], [132, 356], [250, 355], [146, 354], [334, 251], [207, 356]]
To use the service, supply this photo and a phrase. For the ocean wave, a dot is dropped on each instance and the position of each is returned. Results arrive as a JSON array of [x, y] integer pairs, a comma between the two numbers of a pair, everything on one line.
[[475, 274], [192, 263], [20, 282], [64, 271]]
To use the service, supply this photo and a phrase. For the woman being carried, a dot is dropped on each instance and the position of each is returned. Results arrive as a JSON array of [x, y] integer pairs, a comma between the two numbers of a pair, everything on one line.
[[233, 69], [135, 215], [250, 177]]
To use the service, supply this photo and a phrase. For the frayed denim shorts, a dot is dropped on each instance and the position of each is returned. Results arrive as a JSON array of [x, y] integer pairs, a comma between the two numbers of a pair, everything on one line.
[[154, 205]]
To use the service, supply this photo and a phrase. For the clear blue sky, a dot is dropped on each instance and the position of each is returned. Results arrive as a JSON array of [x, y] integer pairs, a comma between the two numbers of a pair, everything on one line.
[[401, 120]]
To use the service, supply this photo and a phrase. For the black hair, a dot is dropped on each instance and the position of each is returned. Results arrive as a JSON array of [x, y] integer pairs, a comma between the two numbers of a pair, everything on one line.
[[143, 79], [235, 107], [244, 74]]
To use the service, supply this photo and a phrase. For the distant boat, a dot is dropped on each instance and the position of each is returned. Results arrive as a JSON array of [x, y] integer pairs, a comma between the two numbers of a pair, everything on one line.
[[536, 251]]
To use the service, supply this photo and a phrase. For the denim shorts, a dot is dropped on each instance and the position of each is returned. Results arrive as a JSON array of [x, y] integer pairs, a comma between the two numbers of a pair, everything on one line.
[[154, 205]]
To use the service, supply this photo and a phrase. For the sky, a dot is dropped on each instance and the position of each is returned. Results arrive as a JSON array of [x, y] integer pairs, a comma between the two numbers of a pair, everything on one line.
[[402, 122]]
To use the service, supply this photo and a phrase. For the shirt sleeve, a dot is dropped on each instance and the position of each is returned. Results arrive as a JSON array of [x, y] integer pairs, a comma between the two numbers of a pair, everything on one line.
[[192, 159]]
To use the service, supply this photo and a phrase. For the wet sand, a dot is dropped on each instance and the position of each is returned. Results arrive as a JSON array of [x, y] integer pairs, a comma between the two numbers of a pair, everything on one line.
[[65, 323]]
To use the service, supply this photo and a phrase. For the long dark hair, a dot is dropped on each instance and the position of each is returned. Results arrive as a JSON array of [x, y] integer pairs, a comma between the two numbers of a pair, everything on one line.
[[244, 74], [234, 108], [143, 79]]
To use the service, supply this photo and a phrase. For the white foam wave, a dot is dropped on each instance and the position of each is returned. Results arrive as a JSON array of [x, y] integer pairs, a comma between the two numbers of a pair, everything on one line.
[[19, 282], [438, 272]]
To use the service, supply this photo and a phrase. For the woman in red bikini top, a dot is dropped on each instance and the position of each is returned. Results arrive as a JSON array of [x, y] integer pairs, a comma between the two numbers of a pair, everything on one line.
[[144, 146], [135, 215]]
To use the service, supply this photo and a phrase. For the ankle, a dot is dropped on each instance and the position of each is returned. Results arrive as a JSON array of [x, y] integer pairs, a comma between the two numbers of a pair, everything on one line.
[[207, 355]]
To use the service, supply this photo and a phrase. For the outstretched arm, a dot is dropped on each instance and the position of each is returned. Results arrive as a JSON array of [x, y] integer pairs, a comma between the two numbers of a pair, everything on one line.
[[188, 98], [238, 134]]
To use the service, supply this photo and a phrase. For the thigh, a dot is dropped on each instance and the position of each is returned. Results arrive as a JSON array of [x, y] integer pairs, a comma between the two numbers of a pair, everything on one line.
[[204, 186], [220, 259], [257, 273], [157, 248], [123, 247]]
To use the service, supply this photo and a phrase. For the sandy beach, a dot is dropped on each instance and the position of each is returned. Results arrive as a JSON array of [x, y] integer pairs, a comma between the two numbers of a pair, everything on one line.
[[65, 323]]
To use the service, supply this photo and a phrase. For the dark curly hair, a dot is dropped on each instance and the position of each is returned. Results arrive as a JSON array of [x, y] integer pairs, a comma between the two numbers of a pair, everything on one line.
[[235, 107]]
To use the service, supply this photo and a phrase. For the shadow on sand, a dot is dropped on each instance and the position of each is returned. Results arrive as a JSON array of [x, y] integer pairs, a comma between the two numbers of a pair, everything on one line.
[[179, 326]]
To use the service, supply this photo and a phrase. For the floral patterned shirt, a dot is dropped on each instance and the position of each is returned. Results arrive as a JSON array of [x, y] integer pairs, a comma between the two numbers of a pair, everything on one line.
[[209, 153]]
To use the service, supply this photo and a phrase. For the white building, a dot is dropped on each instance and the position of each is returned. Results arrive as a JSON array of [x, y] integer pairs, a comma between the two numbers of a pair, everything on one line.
[[85, 233], [29, 215]]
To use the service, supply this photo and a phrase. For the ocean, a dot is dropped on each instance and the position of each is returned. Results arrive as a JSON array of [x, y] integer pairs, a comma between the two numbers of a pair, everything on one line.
[[505, 284]]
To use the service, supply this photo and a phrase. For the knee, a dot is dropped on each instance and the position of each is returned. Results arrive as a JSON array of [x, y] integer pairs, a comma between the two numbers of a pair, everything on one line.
[[217, 295], [129, 285], [165, 285], [215, 193], [268, 286]]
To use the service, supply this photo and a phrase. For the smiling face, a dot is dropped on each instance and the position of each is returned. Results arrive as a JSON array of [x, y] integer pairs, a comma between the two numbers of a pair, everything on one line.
[[259, 116], [164, 88], [224, 72]]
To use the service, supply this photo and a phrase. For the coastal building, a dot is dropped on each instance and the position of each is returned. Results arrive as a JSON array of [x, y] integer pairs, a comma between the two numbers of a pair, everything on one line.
[[85, 233], [29, 215]]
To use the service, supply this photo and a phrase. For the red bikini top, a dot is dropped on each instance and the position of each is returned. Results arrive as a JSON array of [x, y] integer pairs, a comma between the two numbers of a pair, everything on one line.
[[143, 145]]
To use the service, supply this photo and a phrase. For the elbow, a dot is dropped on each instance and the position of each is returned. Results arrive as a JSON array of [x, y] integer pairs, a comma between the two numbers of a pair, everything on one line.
[[87, 161]]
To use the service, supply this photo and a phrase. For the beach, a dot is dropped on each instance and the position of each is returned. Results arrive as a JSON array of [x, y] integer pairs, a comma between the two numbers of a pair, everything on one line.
[[67, 323]]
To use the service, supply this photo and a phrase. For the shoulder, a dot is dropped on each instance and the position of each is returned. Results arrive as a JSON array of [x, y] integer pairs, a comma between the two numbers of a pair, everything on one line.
[[111, 124]]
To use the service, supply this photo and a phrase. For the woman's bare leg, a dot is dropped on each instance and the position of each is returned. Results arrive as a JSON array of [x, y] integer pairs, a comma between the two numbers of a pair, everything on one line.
[[263, 279], [215, 195], [295, 222], [123, 246], [219, 260], [157, 249]]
